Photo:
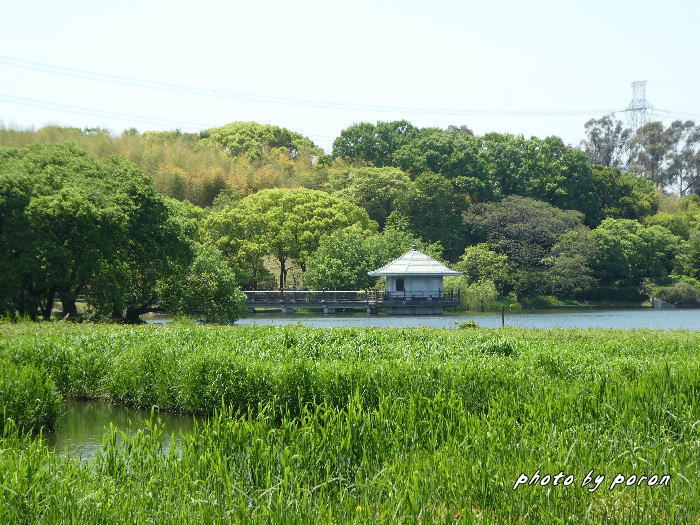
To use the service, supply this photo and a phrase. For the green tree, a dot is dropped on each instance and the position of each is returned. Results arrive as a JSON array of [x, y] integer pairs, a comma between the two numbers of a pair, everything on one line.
[[374, 189], [522, 228], [345, 257], [627, 252], [254, 140], [60, 220], [287, 224], [453, 155], [479, 295], [373, 144], [157, 244], [341, 262], [607, 142], [568, 270], [651, 147], [542, 169], [434, 211], [622, 195], [208, 288], [481, 262]]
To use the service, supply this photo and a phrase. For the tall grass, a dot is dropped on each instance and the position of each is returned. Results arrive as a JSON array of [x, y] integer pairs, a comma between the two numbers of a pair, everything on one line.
[[408, 460], [27, 397], [366, 425]]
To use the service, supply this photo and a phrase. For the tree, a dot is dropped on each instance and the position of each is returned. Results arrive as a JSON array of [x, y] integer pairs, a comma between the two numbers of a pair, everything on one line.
[[622, 195], [522, 228], [568, 267], [285, 223], [684, 157], [542, 169], [254, 140], [607, 142], [434, 211], [155, 245], [627, 252], [344, 258], [60, 220], [452, 155], [478, 295], [374, 189], [208, 288], [341, 262], [481, 262], [373, 144], [651, 147]]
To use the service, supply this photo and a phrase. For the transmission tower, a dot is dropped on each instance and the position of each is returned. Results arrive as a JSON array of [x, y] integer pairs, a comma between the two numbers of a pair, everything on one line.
[[639, 109]]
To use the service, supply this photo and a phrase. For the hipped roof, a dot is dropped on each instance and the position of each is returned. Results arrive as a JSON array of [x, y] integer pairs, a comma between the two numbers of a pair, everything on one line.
[[414, 263]]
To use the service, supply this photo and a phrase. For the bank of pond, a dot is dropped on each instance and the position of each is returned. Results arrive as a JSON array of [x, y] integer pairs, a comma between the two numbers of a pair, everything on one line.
[[211, 424]]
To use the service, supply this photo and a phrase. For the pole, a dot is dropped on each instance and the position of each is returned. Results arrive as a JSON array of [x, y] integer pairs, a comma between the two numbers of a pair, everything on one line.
[[503, 316]]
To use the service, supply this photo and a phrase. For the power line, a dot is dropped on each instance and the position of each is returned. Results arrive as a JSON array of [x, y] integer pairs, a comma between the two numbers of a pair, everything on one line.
[[250, 97], [126, 117]]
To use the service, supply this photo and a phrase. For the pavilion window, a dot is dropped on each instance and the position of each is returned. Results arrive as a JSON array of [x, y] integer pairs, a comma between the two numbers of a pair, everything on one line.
[[400, 286]]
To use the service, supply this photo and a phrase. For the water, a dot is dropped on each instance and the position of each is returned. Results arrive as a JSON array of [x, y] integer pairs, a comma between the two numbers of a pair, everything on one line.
[[659, 319], [81, 426]]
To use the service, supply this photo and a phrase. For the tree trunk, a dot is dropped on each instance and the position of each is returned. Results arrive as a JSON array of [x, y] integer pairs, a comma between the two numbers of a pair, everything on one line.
[[132, 315], [47, 307], [69, 307], [283, 273]]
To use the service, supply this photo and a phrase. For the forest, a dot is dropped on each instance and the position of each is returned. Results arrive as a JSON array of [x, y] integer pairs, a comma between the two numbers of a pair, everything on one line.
[[183, 222]]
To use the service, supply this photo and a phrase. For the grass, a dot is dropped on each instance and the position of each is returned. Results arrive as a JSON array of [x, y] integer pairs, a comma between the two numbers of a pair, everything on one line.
[[366, 425], [27, 398]]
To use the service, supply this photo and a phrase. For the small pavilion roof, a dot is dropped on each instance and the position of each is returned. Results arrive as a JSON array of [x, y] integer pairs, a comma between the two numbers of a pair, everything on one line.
[[414, 263]]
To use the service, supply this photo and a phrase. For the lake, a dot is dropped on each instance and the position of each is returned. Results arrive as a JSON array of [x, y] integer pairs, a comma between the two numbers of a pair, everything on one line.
[[658, 319]]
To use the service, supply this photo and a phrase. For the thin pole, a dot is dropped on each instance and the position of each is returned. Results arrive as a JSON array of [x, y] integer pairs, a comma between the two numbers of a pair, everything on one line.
[[503, 316]]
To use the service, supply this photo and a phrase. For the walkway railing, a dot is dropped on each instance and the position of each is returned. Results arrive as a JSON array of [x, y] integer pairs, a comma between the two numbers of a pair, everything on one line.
[[340, 296]]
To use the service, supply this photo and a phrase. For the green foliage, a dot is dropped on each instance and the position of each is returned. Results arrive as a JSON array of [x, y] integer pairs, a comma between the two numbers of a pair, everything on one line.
[[681, 293], [27, 397], [287, 224], [627, 252], [482, 262], [208, 289], [524, 229], [542, 169], [434, 212], [254, 140], [353, 415], [453, 155], [345, 257], [623, 195], [367, 143], [607, 142], [479, 295], [377, 190]]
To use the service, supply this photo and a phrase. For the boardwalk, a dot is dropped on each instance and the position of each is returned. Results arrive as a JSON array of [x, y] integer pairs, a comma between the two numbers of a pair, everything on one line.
[[370, 300]]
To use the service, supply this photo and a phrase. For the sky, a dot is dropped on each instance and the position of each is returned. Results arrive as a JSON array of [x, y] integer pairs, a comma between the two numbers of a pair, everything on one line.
[[536, 68]]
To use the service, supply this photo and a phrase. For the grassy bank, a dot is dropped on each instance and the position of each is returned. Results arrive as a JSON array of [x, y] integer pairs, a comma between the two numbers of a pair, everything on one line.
[[368, 425]]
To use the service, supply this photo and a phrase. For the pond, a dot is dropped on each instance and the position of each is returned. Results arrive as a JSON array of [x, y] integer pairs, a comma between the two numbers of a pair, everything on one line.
[[82, 425], [659, 319]]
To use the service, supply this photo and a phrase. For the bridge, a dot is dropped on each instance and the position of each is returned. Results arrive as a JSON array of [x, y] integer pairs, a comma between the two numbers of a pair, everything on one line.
[[415, 303]]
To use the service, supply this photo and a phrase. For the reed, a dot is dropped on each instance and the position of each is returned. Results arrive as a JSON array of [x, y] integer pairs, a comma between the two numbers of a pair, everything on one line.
[[366, 425], [28, 399]]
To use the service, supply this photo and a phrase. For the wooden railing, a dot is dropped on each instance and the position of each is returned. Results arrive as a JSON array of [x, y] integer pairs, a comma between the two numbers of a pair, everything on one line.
[[340, 296]]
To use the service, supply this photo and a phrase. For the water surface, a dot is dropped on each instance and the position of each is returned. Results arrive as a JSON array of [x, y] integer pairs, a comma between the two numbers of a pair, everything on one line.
[[82, 425], [658, 319]]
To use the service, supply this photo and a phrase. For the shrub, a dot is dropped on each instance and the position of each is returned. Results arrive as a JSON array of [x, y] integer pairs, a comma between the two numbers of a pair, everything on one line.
[[679, 294]]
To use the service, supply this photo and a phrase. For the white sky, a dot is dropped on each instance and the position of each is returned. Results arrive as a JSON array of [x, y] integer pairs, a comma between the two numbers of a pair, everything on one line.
[[444, 58]]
